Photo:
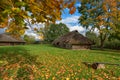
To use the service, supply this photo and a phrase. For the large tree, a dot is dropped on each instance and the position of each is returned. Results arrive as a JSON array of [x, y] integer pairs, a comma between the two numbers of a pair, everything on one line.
[[103, 15], [14, 12], [93, 37], [29, 39], [54, 31]]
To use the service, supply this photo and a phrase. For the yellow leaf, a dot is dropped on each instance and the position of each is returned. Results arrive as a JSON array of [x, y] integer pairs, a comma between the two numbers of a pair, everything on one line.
[[22, 31], [67, 78], [7, 30]]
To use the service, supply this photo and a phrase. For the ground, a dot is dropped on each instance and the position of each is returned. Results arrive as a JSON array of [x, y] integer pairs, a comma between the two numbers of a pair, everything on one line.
[[41, 62]]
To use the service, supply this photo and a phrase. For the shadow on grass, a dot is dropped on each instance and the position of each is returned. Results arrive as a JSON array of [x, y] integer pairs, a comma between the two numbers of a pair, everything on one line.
[[113, 54], [12, 49], [17, 62], [105, 49], [14, 54], [108, 53]]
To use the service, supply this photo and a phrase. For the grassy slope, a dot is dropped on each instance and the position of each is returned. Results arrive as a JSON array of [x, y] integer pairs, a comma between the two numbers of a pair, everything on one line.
[[49, 52], [62, 63]]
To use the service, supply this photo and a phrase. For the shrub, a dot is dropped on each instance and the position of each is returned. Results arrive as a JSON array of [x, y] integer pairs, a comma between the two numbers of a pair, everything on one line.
[[29, 39], [112, 44]]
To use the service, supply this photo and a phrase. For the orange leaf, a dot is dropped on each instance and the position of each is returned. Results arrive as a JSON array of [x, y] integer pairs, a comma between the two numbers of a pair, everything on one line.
[[71, 4], [72, 10]]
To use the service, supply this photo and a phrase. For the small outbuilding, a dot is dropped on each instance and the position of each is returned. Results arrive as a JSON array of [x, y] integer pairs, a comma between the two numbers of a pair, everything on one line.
[[73, 40], [6, 39]]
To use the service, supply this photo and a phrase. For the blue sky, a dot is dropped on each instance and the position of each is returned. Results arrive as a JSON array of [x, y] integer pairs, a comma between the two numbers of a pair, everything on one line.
[[72, 20], [2, 30], [66, 14]]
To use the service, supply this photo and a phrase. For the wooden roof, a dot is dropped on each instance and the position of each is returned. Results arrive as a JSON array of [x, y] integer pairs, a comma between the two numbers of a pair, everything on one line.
[[8, 38], [73, 37]]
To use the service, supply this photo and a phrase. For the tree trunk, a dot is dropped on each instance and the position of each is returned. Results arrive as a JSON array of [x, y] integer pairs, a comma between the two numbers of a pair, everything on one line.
[[101, 44], [102, 40]]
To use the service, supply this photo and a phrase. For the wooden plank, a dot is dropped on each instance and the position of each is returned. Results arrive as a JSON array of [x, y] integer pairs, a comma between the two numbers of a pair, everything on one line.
[[108, 63]]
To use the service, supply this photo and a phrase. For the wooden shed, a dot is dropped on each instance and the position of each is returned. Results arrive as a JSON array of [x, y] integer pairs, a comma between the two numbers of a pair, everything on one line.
[[73, 40], [8, 40]]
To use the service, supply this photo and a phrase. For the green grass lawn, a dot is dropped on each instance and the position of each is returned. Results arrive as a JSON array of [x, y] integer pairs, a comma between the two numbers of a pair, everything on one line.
[[41, 62]]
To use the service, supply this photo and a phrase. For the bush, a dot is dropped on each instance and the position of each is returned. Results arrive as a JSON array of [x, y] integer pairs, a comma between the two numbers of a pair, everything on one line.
[[112, 44], [29, 39]]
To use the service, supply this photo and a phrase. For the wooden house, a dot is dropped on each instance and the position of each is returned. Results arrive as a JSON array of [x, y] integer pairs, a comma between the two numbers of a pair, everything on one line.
[[73, 40], [8, 40]]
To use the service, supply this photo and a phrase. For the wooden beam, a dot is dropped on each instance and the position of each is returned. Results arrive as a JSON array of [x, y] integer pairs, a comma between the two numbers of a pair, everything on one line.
[[108, 63], [98, 65]]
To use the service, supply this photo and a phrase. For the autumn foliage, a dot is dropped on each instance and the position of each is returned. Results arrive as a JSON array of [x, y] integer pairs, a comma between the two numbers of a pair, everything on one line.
[[103, 15], [14, 12]]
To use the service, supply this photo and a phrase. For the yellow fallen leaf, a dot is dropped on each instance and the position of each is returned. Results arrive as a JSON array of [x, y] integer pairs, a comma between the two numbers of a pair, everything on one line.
[[67, 78]]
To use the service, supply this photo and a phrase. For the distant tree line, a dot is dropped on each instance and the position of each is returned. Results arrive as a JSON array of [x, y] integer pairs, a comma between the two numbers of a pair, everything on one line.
[[110, 42]]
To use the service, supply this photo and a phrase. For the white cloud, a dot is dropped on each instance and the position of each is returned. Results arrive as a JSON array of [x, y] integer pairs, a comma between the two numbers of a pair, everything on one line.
[[72, 24], [79, 28], [96, 31], [69, 21], [30, 31]]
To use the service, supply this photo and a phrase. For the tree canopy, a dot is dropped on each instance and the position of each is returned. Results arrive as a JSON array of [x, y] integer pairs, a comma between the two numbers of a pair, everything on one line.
[[101, 14], [54, 31], [14, 12], [29, 39], [92, 36]]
